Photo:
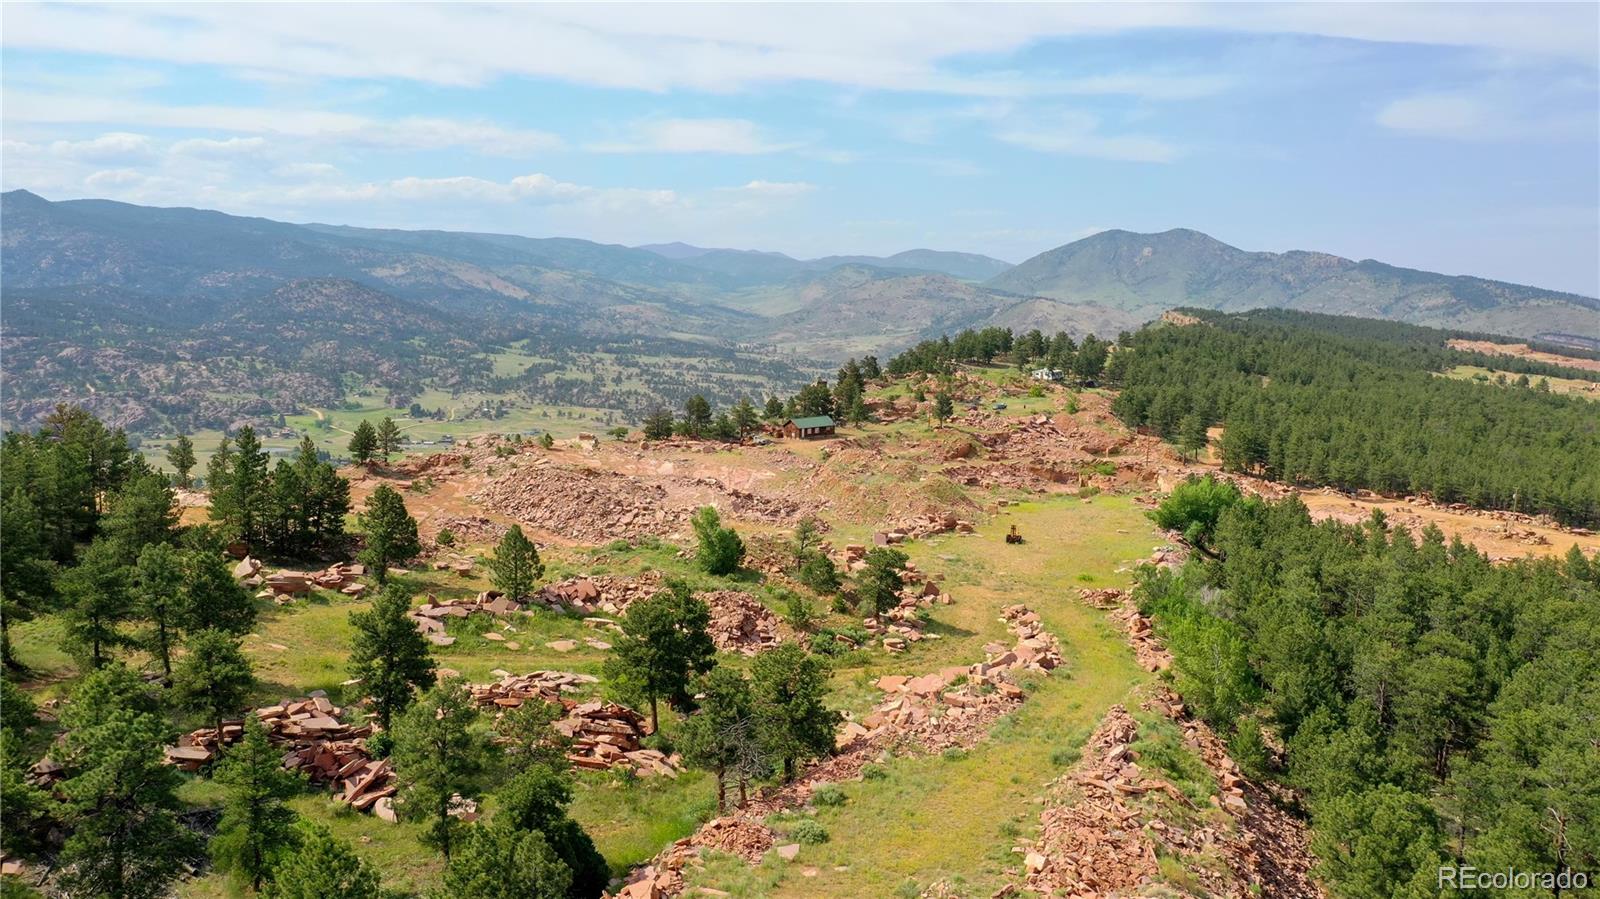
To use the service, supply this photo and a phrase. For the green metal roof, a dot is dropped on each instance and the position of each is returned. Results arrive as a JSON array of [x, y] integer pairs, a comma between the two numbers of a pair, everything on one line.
[[815, 421]]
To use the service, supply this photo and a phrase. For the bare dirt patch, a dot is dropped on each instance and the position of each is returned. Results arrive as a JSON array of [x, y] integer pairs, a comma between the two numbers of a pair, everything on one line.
[[1524, 351]]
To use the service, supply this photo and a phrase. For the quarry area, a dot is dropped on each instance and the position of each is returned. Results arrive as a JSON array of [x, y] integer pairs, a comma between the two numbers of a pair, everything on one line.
[[1006, 727]]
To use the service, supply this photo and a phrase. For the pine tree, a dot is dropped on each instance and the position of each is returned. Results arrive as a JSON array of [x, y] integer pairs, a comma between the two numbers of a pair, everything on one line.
[[219, 475], [663, 644], [1192, 437], [247, 487], [388, 438], [530, 739], [943, 406], [498, 862], [878, 585], [807, 539], [257, 826], [326, 500], [773, 409], [97, 603], [180, 455], [363, 443], [211, 596], [391, 532], [793, 723], [283, 529], [121, 799], [657, 425], [389, 655], [215, 677], [26, 572], [744, 418], [516, 567], [158, 595], [696, 415], [28, 809], [143, 512], [437, 758], [856, 414], [536, 799], [721, 736], [322, 866], [1091, 359]]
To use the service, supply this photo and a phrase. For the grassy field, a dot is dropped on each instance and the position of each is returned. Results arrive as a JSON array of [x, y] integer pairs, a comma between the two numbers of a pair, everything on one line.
[[330, 429], [952, 817], [1589, 390], [956, 817]]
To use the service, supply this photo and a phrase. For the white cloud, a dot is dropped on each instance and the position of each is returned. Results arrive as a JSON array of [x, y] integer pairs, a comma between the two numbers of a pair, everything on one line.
[[219, 149], [112, 179], [116, 147], [306, 171], [732, 136], [774, 188], [1078, 134], [1492, 112], [325, 127], [659, 47]]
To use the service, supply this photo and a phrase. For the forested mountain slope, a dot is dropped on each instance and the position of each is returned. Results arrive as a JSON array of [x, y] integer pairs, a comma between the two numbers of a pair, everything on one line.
[[1302, 402]]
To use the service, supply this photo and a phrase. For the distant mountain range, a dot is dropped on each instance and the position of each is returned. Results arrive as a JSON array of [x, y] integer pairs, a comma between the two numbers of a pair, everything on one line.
[[185, 296], [1147, 273], [764, 265]]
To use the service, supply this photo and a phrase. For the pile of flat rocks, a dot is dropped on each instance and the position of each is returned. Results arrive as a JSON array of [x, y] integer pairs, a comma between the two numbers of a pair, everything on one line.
[[285, 584]]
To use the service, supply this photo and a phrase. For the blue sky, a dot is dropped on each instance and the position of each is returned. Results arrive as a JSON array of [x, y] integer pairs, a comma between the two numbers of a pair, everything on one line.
[[1457, 138]]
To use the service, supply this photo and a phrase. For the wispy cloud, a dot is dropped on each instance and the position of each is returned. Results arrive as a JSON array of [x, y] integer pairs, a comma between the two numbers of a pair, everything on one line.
[[732, 136], [1489, 113], [323, 126], [773, 188], [1078, 134], [659, 47]]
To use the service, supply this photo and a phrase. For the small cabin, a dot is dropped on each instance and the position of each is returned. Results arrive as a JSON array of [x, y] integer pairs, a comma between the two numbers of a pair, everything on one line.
[[809, 428]]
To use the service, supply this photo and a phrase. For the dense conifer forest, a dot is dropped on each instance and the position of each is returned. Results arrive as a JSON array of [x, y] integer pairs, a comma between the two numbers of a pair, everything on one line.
[[1320, 400], [1432, 708]]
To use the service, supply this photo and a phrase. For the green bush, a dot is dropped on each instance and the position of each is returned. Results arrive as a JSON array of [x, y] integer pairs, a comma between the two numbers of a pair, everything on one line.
[[1194, 507], [799, 610], [720, 549], [379, 744], [827, 796], [808, 832], [818, 573], [446, 537]]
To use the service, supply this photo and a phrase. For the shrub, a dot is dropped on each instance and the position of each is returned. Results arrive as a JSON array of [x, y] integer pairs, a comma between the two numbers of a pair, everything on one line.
[[799, 611], [380, 744], [546, 441], [720, 549], [827, 796], [808, 832], [874, 772], [446, 537], [818, 573], [1194, 507]]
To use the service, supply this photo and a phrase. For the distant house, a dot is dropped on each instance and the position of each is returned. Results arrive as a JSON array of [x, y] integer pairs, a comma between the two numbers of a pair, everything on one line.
[[808, 428], [1047, 374]]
